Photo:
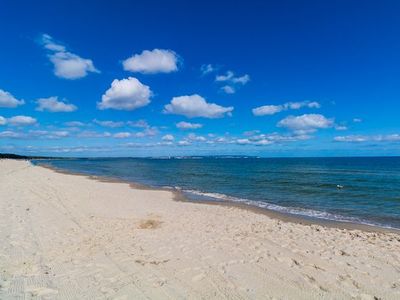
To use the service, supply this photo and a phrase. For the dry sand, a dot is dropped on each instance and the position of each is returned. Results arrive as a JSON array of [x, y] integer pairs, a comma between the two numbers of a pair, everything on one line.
[[70, 237]]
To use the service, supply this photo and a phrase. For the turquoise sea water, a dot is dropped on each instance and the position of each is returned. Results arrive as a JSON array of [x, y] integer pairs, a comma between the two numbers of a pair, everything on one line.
[[360, 190]]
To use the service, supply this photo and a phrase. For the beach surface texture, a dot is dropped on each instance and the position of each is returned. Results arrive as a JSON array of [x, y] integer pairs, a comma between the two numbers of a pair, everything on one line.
[[72, 237]]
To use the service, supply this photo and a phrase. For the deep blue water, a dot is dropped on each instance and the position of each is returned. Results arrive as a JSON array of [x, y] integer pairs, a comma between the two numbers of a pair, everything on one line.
[[301, 186]]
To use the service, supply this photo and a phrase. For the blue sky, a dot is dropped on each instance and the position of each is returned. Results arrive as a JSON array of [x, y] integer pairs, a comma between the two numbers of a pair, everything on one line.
[[268, 78]]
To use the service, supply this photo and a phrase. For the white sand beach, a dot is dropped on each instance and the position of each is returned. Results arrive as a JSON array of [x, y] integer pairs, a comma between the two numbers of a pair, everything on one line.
[[71, 237]]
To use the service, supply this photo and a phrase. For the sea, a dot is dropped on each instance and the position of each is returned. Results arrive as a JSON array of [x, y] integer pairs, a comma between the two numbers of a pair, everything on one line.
[[364, 190]]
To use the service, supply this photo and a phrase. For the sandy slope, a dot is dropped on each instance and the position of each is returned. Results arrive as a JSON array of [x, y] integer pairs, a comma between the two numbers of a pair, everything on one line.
[[70, 237]]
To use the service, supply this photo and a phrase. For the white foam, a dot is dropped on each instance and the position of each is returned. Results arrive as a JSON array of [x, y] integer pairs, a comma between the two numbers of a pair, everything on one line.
[[310, 213]]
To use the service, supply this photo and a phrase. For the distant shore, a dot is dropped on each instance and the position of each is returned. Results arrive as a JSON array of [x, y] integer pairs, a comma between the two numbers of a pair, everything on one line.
[[70, 237]]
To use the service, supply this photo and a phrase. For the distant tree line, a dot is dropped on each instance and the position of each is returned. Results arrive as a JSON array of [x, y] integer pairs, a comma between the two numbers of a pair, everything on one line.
[[15, 156]]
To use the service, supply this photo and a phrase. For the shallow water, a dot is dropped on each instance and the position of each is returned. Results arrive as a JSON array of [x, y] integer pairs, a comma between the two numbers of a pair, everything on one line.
[[370, 192]]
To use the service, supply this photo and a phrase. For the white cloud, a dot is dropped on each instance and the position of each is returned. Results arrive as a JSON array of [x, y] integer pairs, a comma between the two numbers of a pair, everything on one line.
[[207, 68], [350, 138], [242, 79], [145, 133], [3, 121], [74, 124], [263, 142], [10, 134], [228, 89], [94, 134], [273, 109], [254, 138], [183, 143], [306, 123], [232, 81], [357, 120], [21, 121], [139, 123], [168, 138], [230, 77], [35, 134], [368, 138], [71, 66], [341, 127], [187, 125], [122, 135], [196, 138], [271, 138], [387, 138], [52, 104], [196, 106], [110, 124], [8, 100], [44, 134], [151, 131], [66, 64], [125, 94], [298, 105], [150, 62], [243, 141], [267, 110]]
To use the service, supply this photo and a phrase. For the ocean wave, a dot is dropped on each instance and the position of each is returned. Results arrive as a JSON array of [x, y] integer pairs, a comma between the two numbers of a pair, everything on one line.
[[297, 211]]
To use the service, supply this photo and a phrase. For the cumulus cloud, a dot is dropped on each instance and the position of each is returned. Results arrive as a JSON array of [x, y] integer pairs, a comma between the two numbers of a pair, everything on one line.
[[184, 143], [122, 135], [270, 138], [150, 62], [196, 138], [125, 94], [254, 138], [66, 64], [151, 131], [21, 121], [168, 138], [228, 89], [187, 125], [148, 132], [3, 121], [368, 138], [230, 77], [196, 106], [110, 124], [232, 81], [267, 110], [8, 100], [306, 123], [243, 141], [273, 109], [52, 104]]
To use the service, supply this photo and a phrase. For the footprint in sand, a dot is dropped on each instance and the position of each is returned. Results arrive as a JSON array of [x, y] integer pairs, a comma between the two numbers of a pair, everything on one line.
[[198, 277], [41, 291]]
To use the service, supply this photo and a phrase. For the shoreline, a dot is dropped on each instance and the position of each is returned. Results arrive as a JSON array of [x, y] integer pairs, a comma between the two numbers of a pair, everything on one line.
[[285, 217], [64, 236]]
